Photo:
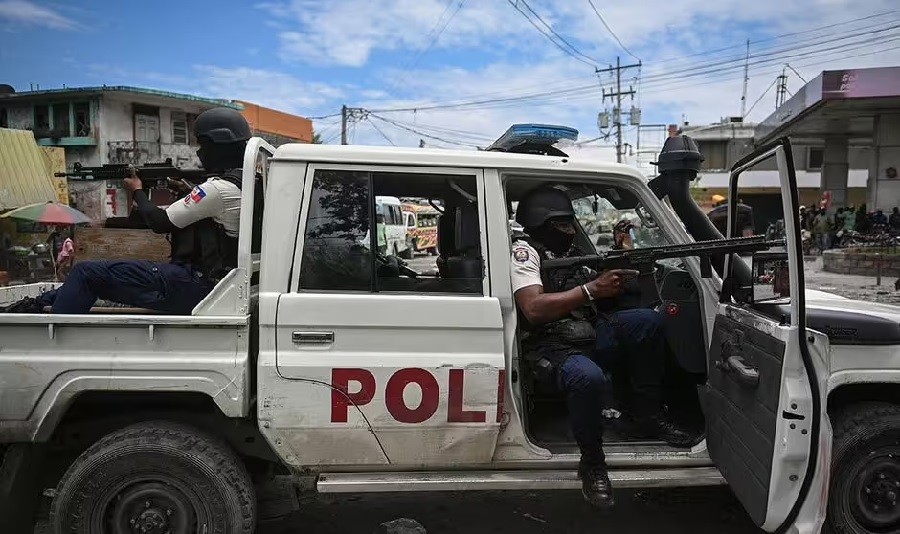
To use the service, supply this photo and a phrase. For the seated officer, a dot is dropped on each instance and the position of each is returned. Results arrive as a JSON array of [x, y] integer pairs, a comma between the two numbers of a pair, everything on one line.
[[565, 329], [203, 227]]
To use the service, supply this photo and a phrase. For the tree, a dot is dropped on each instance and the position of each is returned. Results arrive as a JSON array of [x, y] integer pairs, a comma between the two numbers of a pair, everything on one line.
[[316, 139]]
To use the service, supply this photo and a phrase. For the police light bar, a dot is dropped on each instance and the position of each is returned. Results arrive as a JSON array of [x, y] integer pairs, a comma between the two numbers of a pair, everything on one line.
[[534, 139]]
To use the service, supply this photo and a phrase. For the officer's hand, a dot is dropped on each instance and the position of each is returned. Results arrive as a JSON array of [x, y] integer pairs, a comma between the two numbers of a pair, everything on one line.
[[610, 283], [133, 183]]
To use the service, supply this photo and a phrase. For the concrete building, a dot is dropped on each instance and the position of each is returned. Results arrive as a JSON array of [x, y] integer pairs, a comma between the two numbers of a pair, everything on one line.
[[853, 117], [726, 142], [132, 125]]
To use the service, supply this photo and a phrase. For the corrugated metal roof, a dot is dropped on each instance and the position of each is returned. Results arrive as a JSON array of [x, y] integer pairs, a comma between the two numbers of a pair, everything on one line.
[[76, 91], [24, 171]]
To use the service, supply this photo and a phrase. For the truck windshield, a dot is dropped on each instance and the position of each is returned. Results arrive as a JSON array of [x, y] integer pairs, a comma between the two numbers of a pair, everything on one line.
[[599, 225]]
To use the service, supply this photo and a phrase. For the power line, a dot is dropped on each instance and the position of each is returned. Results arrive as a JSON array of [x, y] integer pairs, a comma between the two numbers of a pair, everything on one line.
[[570, 51], [771, 85], [418, 132], [700, 70], [436, 34], [377, 129], [482, 101], [610, 30], [788, 65], [781, 36]]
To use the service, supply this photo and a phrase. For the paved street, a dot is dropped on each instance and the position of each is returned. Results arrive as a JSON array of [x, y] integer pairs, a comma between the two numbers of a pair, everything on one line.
[[851, 286], [696, 511]]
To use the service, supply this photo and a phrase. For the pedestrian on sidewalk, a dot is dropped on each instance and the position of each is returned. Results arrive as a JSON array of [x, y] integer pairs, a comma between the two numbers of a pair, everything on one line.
[[822, 230]]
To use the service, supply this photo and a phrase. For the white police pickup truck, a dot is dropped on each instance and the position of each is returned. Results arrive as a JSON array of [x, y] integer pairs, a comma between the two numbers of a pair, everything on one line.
[[321, 360]]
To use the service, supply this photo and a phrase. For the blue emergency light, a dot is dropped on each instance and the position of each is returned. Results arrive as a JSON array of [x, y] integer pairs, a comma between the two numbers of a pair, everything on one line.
[[534, 139]]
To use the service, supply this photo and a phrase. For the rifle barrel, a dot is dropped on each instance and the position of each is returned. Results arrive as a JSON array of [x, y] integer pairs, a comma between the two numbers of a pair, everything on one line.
[[646, 255]]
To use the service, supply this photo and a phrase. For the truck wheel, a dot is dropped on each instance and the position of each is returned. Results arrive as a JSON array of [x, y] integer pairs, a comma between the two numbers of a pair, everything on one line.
[[865, 472], [155, 477]]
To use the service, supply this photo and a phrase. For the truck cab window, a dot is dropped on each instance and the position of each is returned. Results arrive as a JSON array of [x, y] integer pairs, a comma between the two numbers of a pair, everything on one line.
[[340, 253], [336, 254]]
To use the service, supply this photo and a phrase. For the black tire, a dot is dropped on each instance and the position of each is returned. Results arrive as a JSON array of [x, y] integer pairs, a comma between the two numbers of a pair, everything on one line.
[[865, 470], [155, 473]]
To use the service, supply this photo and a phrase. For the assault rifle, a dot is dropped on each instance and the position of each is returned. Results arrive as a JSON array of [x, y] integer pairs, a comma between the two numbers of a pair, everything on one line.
[[643, 259], [149, 173]]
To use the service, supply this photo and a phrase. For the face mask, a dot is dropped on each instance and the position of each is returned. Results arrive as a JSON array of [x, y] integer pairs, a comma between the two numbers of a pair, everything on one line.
[[556, 241]]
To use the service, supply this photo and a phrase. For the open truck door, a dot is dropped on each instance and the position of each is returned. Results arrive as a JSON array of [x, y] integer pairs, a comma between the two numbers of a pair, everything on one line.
[[762, 397]]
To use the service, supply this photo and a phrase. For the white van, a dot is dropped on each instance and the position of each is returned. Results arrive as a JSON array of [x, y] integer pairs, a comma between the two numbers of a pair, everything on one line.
[[391, 227]]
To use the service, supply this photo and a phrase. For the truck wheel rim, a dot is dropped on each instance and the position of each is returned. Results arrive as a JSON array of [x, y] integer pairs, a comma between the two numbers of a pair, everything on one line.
[[876, 491], [151, 506]]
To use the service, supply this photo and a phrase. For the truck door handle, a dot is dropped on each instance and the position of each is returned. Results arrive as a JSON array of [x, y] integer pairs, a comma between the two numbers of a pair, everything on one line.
[[312, 338], [743, 373]]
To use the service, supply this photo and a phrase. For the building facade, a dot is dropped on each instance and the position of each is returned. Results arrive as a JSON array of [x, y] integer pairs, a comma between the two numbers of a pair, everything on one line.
[[128, 125], [723, 144]]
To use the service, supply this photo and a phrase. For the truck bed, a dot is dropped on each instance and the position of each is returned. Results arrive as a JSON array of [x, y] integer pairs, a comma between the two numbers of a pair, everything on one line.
[[46, 361]]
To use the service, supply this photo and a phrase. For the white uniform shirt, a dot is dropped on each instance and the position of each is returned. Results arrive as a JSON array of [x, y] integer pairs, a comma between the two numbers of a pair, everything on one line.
[[216, 198], [526, 266]]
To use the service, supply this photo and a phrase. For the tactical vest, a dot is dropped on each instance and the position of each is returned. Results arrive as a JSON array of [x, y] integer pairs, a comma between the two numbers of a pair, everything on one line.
[[573, 334], [204, 245]]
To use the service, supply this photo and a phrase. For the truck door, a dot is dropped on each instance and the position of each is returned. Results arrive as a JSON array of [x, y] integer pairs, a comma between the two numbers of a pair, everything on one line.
[[412, 354], [761, 399]]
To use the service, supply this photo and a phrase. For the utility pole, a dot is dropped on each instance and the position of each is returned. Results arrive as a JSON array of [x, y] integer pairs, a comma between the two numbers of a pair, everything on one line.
[[617, 95], [347, 115], [746, 80], [344, 124], [781, 91]]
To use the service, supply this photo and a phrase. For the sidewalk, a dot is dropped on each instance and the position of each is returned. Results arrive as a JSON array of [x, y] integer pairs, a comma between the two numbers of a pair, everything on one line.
[[849, 285]]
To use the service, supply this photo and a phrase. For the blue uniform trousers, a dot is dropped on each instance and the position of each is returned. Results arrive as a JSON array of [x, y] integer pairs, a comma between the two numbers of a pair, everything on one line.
[[632, 340], [165, 287]]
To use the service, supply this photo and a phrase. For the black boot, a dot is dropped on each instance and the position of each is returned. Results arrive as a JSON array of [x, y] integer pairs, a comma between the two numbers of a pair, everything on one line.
[[26, 305], [595, 485], [661, 428]]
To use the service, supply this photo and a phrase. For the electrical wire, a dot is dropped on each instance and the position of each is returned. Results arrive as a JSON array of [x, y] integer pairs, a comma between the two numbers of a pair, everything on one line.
[[435, 34], [570, 51], [419, 132], [781, 36], [611, 32], [771, 85], [377, 129]]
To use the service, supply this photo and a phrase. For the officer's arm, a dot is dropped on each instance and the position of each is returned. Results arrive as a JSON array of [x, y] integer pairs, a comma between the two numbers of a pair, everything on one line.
[[202, 202], [153, 216], [541, 308]]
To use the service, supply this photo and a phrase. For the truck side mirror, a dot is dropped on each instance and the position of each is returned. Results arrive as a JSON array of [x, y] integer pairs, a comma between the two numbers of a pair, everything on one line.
[[771, 277]]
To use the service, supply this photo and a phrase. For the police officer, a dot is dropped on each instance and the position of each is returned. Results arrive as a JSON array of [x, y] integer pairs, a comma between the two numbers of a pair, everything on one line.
[[558, 320], [203, 227]]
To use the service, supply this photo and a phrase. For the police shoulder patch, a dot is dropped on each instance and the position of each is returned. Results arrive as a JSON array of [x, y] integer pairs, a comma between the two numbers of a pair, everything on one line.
[[521, 254]]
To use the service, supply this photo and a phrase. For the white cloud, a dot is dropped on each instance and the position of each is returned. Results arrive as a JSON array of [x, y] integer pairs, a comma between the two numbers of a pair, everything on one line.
[[30, 14], [347, 32], [267, 88]]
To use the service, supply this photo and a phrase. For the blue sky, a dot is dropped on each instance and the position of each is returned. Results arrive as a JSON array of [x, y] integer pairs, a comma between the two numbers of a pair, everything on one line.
[[310, 57]]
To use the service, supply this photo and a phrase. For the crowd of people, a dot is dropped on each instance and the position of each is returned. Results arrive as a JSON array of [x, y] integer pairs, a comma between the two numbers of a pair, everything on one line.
[[851, 222]]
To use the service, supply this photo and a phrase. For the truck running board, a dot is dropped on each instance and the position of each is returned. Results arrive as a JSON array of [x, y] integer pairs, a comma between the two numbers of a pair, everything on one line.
[[510, 480]]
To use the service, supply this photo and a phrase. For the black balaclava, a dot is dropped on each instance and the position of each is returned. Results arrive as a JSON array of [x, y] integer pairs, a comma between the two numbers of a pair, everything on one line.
[[556, 241], [217, 157]]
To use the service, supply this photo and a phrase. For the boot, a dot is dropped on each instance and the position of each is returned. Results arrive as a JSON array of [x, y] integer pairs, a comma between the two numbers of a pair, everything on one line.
[[26, 305], [661, 428], [595, 485]]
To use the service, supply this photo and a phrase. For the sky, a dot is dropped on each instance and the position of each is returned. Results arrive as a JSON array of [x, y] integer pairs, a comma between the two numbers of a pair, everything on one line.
[[505, 61]]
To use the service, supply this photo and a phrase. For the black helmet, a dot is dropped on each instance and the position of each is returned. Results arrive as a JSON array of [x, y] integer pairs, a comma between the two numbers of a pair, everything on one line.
[[542, 204], [222, 126]]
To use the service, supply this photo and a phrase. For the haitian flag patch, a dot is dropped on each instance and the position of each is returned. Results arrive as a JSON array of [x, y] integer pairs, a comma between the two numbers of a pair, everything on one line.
[[195, 196]]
